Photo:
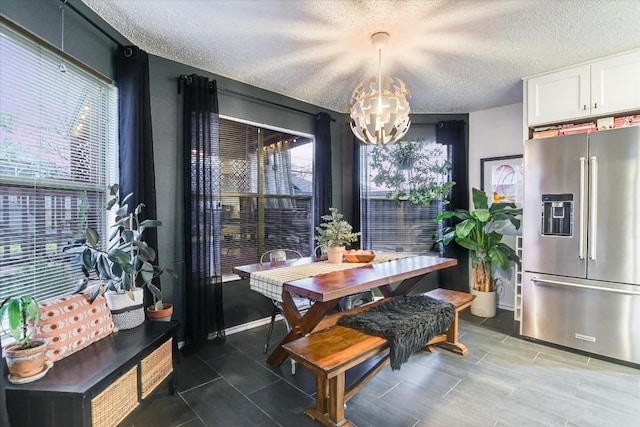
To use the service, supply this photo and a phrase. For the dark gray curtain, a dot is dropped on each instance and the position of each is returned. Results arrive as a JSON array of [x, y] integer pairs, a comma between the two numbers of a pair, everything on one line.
[[356, 196], [322, 167], [452, 133], [135, 138], [202, 186]]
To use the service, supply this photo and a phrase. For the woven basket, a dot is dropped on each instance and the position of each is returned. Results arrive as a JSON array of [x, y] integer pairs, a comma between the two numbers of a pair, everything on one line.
[[127, 313], [116, 401], [156, 367], [128, 319]]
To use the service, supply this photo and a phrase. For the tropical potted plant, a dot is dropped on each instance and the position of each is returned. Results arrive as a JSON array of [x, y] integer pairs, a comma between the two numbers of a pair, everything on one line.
[[478, 231], [333, 234], [26, 356], [414, 171], [127, 266], [161, 311]]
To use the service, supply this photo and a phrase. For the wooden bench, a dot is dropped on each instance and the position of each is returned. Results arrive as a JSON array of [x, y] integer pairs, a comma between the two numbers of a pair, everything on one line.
[[330, 350]]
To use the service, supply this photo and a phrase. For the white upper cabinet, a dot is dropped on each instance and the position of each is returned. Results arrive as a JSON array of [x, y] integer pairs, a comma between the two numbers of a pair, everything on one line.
[[608, 86], [559, 96], [615, 84]]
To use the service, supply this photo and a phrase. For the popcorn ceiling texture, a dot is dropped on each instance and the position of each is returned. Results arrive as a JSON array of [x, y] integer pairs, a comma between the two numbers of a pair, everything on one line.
[[454, 55]]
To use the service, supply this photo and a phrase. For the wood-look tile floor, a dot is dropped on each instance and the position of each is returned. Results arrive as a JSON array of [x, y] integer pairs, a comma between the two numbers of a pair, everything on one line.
[[503, 381]]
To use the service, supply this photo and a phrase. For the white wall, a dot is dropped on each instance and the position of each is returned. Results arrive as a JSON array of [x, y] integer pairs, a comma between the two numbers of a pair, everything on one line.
[[493, 133]]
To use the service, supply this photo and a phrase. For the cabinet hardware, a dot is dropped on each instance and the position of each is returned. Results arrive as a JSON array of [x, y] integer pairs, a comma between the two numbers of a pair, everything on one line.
[[584, 107], [595, 105]]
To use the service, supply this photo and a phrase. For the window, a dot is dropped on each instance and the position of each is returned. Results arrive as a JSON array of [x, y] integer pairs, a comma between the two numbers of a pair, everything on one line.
[[267, 192], [391, 226], [58, 130]]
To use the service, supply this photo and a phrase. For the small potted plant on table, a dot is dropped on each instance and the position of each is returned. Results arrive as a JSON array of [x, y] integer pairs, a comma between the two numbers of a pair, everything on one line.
[[334, 233], [161, 311], [26, 357]]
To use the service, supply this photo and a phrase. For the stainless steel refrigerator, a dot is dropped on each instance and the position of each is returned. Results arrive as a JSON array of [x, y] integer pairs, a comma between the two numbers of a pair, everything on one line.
[[581, 242]]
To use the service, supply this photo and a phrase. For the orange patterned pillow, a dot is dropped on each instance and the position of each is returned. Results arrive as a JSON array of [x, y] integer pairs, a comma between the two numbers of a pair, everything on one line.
[[71, 323]]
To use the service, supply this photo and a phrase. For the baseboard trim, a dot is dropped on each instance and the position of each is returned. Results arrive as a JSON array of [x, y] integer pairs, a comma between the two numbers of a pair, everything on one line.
[[250, 325]]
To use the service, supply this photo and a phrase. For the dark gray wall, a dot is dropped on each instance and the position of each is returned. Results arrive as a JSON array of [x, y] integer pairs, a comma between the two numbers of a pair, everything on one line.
[[43, 17]]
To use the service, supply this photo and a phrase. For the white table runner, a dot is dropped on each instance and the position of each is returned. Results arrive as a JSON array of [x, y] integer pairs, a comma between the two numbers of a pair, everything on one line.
[[269, 283]]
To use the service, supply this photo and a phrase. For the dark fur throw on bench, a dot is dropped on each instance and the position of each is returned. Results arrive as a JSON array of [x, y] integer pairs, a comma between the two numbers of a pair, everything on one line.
[[407, 322]]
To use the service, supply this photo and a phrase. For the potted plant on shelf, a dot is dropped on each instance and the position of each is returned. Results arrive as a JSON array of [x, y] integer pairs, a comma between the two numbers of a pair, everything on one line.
[[127, 266], [26, 357], [414, 171], [161, 311], [333, 234], [478, 232]]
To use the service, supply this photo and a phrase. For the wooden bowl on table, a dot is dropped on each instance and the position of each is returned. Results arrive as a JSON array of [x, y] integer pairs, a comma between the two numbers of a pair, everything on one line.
[[359, 255]]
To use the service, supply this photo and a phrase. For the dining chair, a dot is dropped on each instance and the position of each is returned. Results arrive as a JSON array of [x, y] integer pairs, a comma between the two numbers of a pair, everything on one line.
[[303, 304]]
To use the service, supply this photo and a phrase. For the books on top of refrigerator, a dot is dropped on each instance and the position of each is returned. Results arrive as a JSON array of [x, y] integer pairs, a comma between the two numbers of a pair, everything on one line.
[[571, 129]]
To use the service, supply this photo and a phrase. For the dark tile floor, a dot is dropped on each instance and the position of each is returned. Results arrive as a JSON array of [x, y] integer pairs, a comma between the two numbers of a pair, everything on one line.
[[503, 381]]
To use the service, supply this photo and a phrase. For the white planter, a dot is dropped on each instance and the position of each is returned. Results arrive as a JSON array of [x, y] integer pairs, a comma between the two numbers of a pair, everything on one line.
[[127, 313], [484, 305]]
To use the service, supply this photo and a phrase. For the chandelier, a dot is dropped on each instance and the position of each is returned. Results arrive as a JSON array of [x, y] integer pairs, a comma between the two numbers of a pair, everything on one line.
[[379, 106]]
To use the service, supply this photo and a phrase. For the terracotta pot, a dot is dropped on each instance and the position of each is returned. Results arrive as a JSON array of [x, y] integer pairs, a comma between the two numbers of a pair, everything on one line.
[[335, 254], [25, 363], [163, 315]]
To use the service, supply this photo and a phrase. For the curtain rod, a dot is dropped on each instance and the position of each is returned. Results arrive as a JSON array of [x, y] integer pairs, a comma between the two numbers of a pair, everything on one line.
[[86, 18], [438, 123], [244, 95]]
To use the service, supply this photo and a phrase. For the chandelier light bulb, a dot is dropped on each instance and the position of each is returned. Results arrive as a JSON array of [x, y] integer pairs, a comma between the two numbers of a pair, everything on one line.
[[379, 105]]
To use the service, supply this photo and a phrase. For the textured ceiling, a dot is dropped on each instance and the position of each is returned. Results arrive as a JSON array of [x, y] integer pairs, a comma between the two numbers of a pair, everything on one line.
[[455, 56]]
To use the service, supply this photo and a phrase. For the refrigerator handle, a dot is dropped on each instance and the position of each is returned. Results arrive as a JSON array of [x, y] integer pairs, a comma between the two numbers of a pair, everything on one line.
[[581, 247], [578, 285], [593, 206]]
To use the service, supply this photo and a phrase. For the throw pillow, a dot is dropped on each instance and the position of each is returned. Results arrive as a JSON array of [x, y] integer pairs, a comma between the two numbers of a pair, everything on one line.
[[71, 323]]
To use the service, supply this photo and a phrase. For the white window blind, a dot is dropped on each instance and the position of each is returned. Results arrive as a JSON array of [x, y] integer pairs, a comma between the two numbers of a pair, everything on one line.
[[267, 192], [58, 154]]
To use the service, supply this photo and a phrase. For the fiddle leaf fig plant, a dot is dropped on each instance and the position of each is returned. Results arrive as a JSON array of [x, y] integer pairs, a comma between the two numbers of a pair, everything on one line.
[[415, 171], [477, 232]]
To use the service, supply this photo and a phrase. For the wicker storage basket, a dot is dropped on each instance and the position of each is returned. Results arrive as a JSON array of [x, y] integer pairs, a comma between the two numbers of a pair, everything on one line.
[[156, 367], [116, 401]]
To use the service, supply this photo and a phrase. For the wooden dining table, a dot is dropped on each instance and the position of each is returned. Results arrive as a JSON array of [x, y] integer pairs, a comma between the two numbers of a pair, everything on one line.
[[327, 289]]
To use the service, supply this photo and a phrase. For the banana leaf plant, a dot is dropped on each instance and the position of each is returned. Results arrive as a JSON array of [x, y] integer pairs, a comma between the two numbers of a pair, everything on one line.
[[23, 317], [128, 261], [477, 232]]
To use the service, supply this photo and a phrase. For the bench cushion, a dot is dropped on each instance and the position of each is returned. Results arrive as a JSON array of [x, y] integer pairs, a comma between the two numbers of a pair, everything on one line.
[[408, 322], [71, 323]]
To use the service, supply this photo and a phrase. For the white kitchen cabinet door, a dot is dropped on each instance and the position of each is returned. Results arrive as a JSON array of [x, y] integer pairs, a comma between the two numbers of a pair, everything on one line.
[[560, 96], [615, 84]]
